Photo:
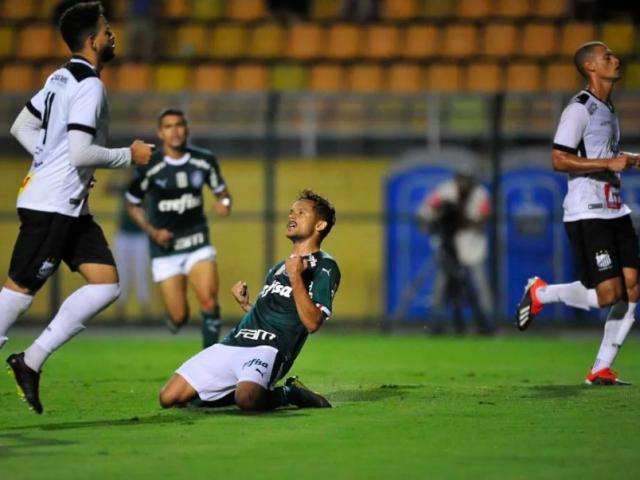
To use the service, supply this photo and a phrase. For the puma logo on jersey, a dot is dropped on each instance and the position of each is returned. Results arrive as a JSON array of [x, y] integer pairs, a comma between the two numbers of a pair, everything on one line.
[[186, 202], [327, 271], [277, 288]]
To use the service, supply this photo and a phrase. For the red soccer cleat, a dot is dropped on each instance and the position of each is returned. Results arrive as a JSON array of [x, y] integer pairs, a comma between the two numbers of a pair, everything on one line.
[[605, 376], [529, 306]]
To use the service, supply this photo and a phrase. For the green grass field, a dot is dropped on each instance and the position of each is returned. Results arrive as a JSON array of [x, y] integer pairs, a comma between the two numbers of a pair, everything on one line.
[[405, 407]]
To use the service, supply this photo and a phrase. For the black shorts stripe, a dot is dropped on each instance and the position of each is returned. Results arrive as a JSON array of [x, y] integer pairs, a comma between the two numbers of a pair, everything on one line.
[[564, 148], [82, 128], [34, 111]]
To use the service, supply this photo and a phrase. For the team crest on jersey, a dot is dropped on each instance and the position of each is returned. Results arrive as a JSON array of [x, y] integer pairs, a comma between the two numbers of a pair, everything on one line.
[[592, 108], [197, 179], [47, 268], [603, 260]]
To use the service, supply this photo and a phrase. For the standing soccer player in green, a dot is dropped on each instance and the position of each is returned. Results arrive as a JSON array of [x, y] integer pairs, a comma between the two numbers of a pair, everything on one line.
[[165, 201], [295, 301]]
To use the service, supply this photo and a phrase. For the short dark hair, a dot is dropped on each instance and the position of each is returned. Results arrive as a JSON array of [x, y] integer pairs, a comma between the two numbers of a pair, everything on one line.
[[323, 208], [79, 22], [171, 111], [583, 54]]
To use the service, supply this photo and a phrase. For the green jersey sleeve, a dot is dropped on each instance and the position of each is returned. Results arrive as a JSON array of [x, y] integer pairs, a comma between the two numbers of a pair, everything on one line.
[[215, 180], [138, 186], [324, 285]]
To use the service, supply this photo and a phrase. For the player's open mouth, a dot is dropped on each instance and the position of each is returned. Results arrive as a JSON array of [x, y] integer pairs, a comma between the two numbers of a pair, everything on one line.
[[291, 224]]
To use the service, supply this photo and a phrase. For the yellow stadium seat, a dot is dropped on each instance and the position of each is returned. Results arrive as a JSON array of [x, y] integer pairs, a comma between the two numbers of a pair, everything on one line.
[[551, 8], [18, 9], [170, 78], [474, 8], [250, 78], [619, 37], [365, 78], [43, 72], [122, 39], [421, 41], [399, 9], [500, 39], [444, 78], [228, 41], [327, 78], [6, 41], [523, 77], [325, 9], [575, 34], [539, 39], [561, 77], [210, 78], [134, 77], [267, 41], [190, 41], [108, 75], [119, 9], [305, 41], [439, 8], [632, 76], [344, 41], [460, 40], [512, 8], [177, 9], [405, 78], [484, 77], [246, 9], [60, 49], [45, 10], [35, 42], [288, 78], [208, 9], [382, 41], [18, 78]]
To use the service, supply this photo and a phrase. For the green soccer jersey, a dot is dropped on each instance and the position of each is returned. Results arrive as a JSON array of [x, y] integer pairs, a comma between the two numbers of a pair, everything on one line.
[[172, 194], [274, 320]]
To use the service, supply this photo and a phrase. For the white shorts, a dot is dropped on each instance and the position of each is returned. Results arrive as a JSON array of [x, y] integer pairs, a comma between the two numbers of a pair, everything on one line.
[[180, 264], [215, 371]]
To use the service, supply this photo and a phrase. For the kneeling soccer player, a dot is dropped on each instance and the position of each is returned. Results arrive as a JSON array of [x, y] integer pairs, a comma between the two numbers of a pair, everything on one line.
[[295, 300]]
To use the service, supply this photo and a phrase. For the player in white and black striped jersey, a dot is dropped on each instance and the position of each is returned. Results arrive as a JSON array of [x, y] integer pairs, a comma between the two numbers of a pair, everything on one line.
[[64, 126], [598, 223]]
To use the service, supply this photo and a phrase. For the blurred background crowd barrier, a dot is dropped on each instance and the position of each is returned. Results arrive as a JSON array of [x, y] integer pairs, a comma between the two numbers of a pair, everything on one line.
[[369, 103]]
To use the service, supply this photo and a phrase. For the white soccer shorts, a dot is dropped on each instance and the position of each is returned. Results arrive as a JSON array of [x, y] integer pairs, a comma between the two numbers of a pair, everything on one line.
[[215, 371], [180, 264]]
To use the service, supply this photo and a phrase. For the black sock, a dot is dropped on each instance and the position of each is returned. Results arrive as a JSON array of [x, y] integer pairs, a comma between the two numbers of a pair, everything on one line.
[[279, 397], [211, 327]]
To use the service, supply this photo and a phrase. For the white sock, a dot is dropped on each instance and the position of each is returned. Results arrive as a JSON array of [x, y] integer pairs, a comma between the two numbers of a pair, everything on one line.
[[621, 317], [12, 305], [572, 294], [79, 307]]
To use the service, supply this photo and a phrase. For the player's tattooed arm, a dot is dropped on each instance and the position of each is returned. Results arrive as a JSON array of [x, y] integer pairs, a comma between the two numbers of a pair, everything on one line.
[[222, 205], [160, 236], [241, 293], [310, 315]]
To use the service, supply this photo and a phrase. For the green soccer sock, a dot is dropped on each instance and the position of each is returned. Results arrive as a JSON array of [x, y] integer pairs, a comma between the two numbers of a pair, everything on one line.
[[211, 327]]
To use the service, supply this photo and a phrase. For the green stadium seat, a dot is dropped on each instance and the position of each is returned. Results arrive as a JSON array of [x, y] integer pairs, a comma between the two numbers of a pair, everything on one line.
[[18, 78], [439, 8], [460, 40], [246, 10], [523, 77], [170, 78], [553, 9], [500, 39], [474, 9], [539, 39], [619, 37], [7, 43], [344, 41], [133, 77], [421, 42], [190, 41], [249, 78], [444, 78], [466, 114], [208, 9], [267, 41], [382, 42], [18, 9], [210, 78], [228, 41], [512, 8], [325, 9], [35, 41], [574, 34], [561, 77], [405, 78], [327, 78], [305, 41], [365, 78], [484, 77], [288, 78], [399, 9]]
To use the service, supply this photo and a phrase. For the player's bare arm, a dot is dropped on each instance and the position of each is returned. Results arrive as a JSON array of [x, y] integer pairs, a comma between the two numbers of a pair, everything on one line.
[[240, 292], [160, 236], [310, 315], [570, 163]]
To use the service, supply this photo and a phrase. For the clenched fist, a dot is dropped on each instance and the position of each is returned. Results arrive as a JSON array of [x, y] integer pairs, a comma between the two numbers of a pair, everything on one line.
[[141, 152]]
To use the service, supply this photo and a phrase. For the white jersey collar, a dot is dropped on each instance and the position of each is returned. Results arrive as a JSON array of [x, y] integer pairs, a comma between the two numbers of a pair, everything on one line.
[[80, 59], [176, 162]]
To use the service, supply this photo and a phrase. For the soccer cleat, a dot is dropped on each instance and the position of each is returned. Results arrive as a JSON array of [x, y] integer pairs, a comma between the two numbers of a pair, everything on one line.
[[302, 397], [529, 306], [605, 376], [27, 380]]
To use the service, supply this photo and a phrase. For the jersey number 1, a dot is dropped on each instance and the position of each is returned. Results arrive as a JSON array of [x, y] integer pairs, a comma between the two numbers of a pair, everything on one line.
[[48, 101]]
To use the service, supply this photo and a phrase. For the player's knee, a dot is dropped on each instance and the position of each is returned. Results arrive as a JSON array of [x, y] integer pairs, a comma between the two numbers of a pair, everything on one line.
[[247, 400], [609, 296], [166, 399]]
